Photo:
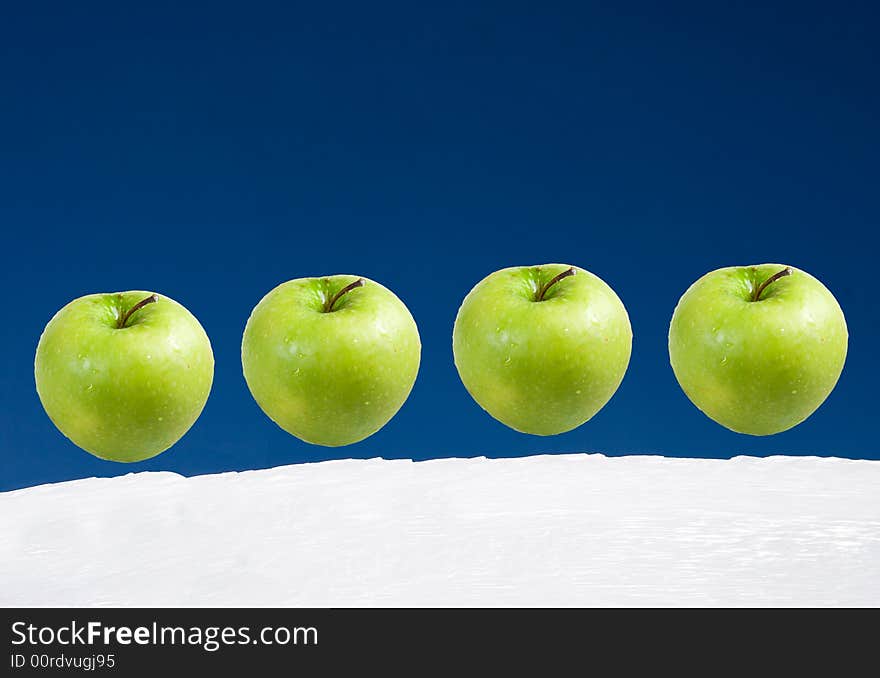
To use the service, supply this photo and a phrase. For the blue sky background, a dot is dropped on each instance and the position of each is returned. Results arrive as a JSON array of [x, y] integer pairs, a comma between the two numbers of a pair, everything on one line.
[[211, 152]]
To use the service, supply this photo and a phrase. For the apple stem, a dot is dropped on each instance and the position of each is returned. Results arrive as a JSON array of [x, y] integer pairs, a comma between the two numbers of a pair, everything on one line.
[[769, 281], [543, 289], [152, 299], [328, 305]]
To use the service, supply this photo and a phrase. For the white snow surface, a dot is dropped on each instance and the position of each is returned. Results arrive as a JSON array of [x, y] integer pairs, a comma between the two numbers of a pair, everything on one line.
[[560, 530]]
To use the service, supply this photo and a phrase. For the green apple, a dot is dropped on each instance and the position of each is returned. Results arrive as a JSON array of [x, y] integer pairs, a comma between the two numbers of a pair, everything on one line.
[[124, 375], [757, 348], [330, 360], [542, 348]]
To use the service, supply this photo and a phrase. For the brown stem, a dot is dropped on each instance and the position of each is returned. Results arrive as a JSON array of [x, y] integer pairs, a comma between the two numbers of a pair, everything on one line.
[[543, 289], [769, 281], [328, 306], [152, 299]]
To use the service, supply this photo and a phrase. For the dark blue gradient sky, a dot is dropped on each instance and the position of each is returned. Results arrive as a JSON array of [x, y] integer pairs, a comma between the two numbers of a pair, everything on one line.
[[211, 152]]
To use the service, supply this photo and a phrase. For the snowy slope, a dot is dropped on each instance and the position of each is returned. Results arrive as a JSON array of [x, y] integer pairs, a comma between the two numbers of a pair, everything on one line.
[[549, 530]]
